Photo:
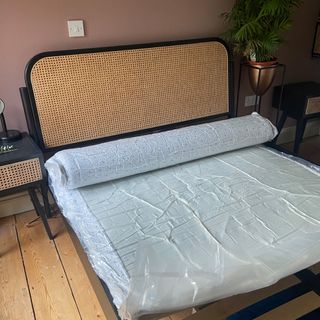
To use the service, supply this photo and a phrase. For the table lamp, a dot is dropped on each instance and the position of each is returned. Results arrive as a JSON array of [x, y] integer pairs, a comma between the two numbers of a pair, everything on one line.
[[7, 135]]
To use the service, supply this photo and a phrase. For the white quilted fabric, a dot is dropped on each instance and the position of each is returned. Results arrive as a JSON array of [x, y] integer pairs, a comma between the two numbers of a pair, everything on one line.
[[121, 158]]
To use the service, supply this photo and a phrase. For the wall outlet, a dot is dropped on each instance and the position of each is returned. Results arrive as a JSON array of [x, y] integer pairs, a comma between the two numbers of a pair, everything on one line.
[[249, 101]]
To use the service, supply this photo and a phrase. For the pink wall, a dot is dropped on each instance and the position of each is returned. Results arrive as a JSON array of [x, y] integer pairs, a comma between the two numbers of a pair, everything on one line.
[[29, 27]]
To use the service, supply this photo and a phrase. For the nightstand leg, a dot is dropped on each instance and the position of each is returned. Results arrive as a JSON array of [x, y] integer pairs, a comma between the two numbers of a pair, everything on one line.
[[301, 124], [40, 211], [282, 121]]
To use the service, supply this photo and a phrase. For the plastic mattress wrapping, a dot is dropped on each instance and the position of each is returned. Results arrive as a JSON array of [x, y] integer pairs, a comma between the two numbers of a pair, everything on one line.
[[122, 158], [194, 231]]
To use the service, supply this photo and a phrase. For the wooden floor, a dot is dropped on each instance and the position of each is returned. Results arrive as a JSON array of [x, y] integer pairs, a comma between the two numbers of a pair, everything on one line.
[[42, 279]]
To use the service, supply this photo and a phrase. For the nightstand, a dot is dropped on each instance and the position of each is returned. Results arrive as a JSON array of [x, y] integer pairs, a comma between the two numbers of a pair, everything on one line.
[[300, 101], [22, 169]]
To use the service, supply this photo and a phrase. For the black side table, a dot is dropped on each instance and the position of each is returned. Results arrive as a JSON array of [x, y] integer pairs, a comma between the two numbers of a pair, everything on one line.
[[21, 169], [300, 101]]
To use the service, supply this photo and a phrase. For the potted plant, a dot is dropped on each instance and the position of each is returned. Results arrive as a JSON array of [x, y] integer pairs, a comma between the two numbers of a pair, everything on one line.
[[255, 32]]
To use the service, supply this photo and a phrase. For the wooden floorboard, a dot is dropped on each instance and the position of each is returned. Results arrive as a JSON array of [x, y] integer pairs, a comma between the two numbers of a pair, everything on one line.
[[182, 314], [94, 280], [79, 280], [315, 268], [15, 303], [50, 292]]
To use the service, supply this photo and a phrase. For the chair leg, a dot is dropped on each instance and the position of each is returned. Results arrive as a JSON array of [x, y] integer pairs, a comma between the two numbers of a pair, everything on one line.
[[301, 125], [41, 212]]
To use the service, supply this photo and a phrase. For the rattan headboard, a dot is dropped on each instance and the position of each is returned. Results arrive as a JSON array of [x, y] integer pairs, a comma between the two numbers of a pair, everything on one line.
[[88, 94]]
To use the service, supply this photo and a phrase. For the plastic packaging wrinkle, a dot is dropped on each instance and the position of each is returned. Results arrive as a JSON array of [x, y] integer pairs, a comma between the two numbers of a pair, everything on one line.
[[167, 279], [159, 286], [125, 157], [196, 232]]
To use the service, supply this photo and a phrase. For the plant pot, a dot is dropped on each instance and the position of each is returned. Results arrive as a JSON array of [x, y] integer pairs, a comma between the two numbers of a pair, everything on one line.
[[267, 70]]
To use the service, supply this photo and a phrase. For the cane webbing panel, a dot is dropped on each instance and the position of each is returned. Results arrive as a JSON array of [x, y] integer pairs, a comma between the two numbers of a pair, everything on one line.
[[86, 96], [19, 173]]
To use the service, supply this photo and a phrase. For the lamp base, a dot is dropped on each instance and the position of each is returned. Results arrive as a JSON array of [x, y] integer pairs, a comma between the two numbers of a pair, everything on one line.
[[10, 136]]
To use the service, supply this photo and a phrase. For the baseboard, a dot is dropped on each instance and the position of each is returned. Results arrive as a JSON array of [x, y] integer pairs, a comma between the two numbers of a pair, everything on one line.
[[288, 134], [18, 203], [14, 204]]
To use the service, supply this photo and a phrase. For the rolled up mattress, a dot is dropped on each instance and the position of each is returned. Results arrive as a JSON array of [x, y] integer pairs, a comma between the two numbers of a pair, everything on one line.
[[74, 168]]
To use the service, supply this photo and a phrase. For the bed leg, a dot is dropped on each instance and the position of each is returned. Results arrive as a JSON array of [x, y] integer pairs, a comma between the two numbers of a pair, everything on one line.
[[44, 193]]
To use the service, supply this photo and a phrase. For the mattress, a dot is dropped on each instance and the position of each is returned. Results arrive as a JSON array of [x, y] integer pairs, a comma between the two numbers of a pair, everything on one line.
[[199, 231]]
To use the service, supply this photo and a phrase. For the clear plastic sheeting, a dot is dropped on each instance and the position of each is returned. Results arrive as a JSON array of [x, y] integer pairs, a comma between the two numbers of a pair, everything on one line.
[[200, 231], [166, 279]]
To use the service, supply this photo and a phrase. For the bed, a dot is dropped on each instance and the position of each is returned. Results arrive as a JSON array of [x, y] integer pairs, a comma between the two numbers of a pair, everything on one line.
[[167, 219]]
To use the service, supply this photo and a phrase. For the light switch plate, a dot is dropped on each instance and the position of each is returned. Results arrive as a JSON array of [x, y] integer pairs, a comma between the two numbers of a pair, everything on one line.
[[75, 28]]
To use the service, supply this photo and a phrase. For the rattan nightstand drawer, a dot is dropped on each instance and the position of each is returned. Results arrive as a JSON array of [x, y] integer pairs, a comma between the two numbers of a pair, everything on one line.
[[313, 105], [20, 173]]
